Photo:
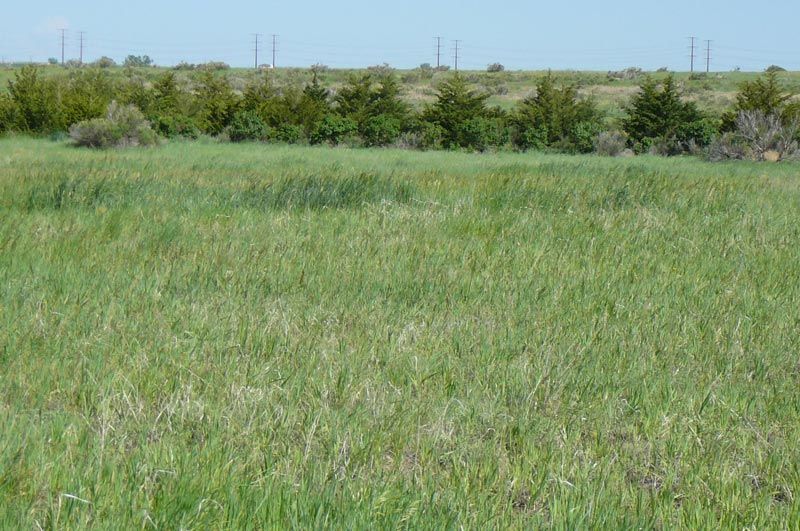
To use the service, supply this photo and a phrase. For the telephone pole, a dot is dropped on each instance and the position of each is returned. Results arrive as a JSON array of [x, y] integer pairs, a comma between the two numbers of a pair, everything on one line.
[[708, 57], [82, 33], [456, 43], [438, 52], [274, 48], [692, 54], [255, 62], [63, 40]]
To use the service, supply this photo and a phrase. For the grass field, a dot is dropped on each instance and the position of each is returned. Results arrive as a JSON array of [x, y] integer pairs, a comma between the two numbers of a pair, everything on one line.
[[216, 335]]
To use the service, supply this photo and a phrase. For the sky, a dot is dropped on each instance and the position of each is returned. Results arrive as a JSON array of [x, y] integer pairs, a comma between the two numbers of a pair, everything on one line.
[[581, 34]]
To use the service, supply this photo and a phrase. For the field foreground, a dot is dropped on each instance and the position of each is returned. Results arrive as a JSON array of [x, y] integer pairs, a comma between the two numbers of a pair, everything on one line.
[[245, 336]]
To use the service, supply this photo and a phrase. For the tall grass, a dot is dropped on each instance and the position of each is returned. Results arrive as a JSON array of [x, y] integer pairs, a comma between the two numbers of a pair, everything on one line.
[[236, 336]]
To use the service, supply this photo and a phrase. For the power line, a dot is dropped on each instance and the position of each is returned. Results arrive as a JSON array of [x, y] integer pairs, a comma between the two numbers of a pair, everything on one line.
[[456, 43], [438, 52], [708, 56], [692, 54], [274, 48]]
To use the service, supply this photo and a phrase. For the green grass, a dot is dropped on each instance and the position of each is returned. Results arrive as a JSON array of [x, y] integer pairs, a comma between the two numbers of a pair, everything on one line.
[[220, 336]]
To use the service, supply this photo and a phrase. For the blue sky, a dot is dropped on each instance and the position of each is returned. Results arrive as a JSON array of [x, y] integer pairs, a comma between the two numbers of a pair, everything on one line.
[[520, 34]]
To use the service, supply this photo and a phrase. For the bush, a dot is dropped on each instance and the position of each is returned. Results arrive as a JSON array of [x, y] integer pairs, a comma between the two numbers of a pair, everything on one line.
[[556, 117], [766, 96], [52, 61], [610, 143], [455, 105], [136, 61], [35, 102], [425, 135], [214, 66], [728, 146], [176, 126], [372, 101], [123, 126], [104, 62], [659, 119], [481, 133], [289, 134], [765, 133], [217, 103], [333, 130], [381, 130], [247, 125], [495, 67], [6, 113], [774, 68]]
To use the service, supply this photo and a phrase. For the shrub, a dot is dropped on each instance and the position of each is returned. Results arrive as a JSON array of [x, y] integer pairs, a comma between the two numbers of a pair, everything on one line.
[[134, 61], [34, 100], [247, 125], [728, 146], [123, 126], [216, 103], [289, 134], [85, 94], [627, 74], [425, 135], [555, 117], [481, 133], [381, 130], [455, 105], [104, 62], [610, 143], [495, 67], [333, 130], [214, 66], [657, 116], [764, 133], [774, 68], [176, 126], [764, 95], [372, 101], [6, 113]]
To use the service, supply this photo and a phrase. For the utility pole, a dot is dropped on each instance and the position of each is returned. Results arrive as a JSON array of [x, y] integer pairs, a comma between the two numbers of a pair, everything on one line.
[[692, 54], [708, 57], [456, 42], [82, 33], [255, 62], [274, 48], [438, 52], [63, 39]]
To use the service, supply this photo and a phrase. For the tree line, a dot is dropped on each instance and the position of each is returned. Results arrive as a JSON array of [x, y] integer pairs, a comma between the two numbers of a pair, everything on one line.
[[369, 110]]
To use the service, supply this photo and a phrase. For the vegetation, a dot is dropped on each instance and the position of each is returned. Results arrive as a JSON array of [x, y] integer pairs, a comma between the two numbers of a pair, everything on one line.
[[217, 336], [556, 118], [660, 120], [123, 126], [376, 107]]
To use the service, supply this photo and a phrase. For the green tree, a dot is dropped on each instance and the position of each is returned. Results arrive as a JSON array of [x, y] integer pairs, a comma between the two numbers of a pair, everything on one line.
[[373, 102], [86, 94], [658, 116], [555, 117], [34, 101], [766, 95], [215, 103], [456, 105]]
